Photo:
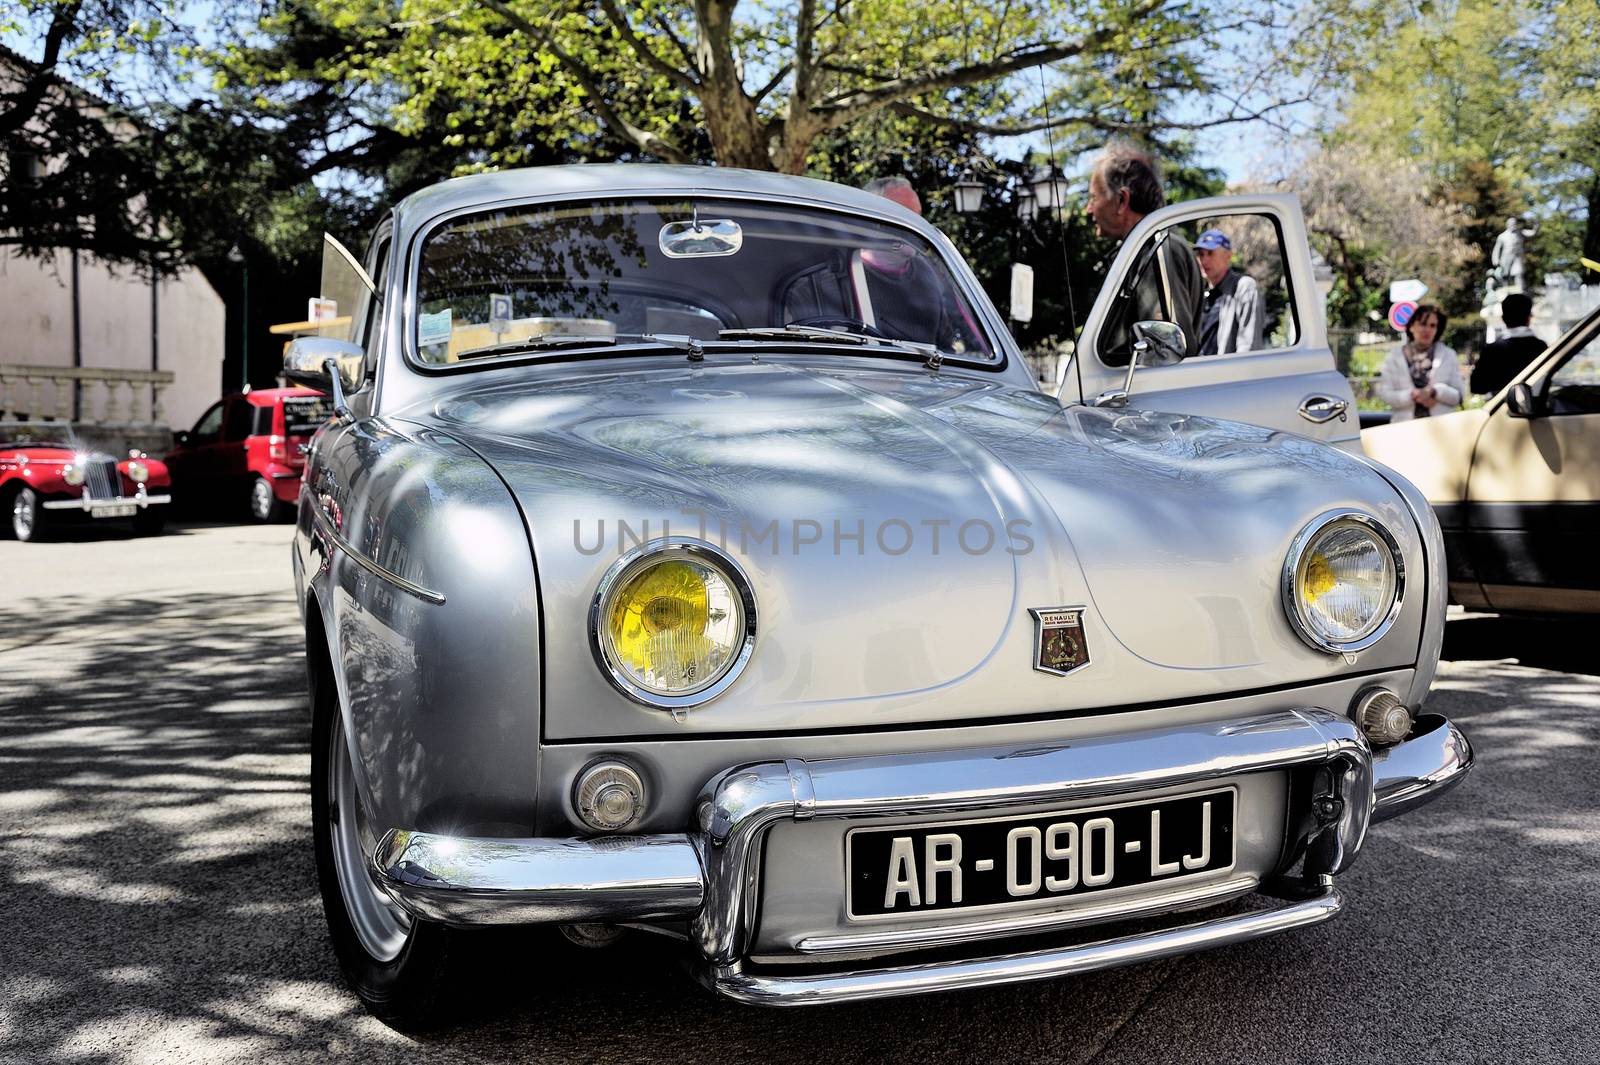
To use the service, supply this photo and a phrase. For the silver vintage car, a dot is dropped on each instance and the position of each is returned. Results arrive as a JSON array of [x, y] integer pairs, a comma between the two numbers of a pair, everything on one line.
[[693, 551]]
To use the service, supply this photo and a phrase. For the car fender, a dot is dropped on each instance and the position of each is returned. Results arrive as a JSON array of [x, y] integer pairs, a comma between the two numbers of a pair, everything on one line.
[[414, 556]]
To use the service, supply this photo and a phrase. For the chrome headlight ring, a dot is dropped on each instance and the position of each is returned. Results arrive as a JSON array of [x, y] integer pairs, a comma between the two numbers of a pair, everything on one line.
[[73, 473], [617, 576], [138, 472], [1293, 604]]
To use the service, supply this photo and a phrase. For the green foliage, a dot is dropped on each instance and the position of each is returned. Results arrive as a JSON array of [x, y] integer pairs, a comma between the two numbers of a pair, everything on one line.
[[1499, 104]]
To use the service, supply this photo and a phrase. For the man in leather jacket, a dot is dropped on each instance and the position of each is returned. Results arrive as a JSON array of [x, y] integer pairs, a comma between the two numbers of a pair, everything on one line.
[[1165, 284]]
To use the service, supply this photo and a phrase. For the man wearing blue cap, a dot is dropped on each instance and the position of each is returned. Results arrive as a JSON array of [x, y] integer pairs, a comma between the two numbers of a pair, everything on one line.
[[1231, 312]]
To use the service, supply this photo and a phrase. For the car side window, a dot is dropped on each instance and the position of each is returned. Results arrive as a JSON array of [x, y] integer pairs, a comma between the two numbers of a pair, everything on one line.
[[1575, 387], [1222, 279], [209, 428], [237, 420]]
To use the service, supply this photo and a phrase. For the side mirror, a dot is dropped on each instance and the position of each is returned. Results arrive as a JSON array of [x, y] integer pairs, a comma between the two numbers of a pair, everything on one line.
[[1158, 344], [181, 437], [332, 365], [1522, 403], [1154, 344]]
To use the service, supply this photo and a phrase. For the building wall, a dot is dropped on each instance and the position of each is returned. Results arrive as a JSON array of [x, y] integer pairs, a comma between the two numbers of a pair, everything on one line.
[[114, 313]]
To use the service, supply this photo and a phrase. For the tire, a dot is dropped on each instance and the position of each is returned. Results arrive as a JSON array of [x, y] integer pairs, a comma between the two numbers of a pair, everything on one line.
[[24, 516], [265, 506], [150, 522], [397, 964]]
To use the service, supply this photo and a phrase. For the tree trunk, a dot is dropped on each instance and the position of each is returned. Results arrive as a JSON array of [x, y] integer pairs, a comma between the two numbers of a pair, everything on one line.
[[738, 136]]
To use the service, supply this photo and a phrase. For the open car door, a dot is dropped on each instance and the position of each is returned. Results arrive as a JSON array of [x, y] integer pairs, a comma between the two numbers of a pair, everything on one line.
[[1280, 374]]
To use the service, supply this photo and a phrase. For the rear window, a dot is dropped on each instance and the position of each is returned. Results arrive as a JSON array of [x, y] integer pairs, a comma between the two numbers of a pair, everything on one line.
[[304, 415]]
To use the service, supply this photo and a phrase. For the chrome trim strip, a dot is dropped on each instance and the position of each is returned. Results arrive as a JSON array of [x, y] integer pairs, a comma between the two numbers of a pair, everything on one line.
[[464, 881], [943, 935], [1420, 769], [776, 990], [427, 595]]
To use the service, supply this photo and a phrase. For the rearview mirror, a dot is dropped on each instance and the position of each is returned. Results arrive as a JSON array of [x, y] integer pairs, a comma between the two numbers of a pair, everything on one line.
[[1522, 403]]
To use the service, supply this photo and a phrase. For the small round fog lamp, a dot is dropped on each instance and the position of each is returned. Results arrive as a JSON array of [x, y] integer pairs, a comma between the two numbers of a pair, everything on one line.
[[1383, 717], [72, 473], [609, 796]]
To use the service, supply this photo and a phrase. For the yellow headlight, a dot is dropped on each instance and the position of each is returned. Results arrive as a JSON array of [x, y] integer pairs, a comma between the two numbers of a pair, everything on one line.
[[672, 625], [138, 472], [1343, 581]]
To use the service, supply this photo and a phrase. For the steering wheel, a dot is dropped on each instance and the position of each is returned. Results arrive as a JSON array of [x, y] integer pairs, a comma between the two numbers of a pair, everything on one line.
[[839, 321]]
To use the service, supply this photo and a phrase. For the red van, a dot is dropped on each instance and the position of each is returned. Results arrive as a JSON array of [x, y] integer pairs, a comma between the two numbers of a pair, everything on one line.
[[249, 447]]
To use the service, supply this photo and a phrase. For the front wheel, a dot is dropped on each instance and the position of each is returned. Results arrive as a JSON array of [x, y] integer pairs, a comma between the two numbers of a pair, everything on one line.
[[396, 963], [27, 516], [264, 503]]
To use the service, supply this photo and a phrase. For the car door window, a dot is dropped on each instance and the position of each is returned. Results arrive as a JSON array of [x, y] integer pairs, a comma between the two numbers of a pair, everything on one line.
[[1575, 387], [209, 428], [1221, 278], [237, 420]]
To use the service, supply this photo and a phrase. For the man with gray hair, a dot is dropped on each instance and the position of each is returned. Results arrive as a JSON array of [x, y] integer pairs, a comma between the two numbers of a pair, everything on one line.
[[1165, 282]]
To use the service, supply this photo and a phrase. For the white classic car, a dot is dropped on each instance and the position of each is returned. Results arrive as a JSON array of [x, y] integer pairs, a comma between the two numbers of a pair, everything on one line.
[[693, 551]]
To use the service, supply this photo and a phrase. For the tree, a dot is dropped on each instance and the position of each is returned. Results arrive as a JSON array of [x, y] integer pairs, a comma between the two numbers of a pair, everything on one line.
[[73, 165], [1499, 105], [1373, 215], [764, 86]]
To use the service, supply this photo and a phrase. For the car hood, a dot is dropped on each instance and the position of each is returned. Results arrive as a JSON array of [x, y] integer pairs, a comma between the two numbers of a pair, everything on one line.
[[898, 527]]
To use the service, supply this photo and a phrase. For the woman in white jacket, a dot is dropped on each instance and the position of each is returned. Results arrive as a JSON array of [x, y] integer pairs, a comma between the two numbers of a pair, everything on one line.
[[1421, 378]]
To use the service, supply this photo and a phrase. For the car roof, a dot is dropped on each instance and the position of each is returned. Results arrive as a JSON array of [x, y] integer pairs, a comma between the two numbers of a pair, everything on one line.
[[608, 179]]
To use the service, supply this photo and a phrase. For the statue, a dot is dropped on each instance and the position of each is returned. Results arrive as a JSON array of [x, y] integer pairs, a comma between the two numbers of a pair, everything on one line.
[[1509, 258]]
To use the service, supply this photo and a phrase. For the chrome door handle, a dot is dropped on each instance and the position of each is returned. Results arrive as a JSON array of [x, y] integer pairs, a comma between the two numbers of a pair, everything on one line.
[[1321, 409], [1116, 397]]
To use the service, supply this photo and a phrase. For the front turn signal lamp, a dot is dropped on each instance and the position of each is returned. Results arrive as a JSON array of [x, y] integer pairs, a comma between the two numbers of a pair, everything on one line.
[[673, 623], [1343, 582]]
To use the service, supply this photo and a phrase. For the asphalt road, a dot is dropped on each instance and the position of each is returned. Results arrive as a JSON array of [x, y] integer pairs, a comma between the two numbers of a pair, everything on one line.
[[158, 900]]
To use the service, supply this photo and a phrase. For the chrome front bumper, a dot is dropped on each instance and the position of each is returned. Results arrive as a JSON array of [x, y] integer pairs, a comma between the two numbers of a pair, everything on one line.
[[96, 507], [710, 878]]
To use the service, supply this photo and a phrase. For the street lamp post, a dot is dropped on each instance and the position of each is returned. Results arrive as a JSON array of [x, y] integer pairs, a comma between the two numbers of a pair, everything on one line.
[[237, 257]]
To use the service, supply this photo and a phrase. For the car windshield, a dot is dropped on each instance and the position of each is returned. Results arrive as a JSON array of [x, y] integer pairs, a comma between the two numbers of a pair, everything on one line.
[[492, 285]]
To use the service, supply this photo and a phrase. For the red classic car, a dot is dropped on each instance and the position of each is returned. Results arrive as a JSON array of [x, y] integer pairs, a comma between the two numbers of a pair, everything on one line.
[[45, 482], [249, 446]]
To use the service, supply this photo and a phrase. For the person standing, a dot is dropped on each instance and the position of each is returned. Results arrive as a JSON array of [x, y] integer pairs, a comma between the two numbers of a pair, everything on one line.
[[1165, 284], [1511, 353], [1421, 377], [1232, 310]]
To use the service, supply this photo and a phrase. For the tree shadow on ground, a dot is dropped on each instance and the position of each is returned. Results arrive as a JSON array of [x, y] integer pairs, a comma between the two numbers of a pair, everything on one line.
[[160, 896]]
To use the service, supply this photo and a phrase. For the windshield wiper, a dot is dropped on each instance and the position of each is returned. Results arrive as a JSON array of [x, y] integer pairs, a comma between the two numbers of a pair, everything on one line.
[[544, 342], [819, 335]]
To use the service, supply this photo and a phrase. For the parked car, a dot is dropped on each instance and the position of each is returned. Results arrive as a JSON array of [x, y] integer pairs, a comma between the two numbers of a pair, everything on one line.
[[249, 448], [692, 550], [46, 483], [1516, 483]]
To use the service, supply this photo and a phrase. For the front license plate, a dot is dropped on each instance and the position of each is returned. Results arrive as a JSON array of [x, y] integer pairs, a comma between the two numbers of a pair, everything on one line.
[[966, 865], [116, 510]]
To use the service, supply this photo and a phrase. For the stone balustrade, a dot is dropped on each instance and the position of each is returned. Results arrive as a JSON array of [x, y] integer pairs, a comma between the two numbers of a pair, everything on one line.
[[119, 398]]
